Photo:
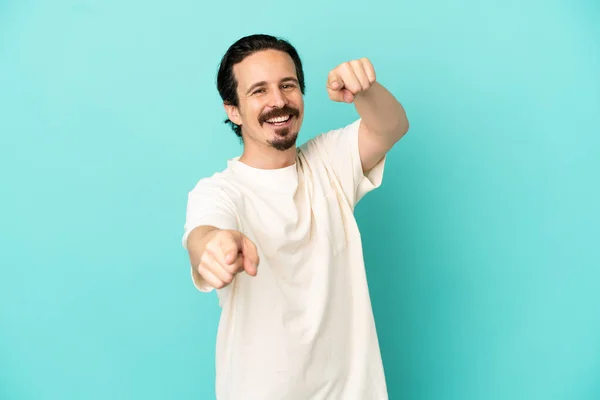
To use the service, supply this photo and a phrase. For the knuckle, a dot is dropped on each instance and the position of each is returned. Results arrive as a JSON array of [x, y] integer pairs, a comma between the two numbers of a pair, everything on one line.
[[229, 268], [204, 259], [211, 246], [220, 235], [226, 237], [202, 270], [220, 285]]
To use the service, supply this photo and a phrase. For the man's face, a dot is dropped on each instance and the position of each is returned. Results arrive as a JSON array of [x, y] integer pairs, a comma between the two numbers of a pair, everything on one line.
[[271, 106]]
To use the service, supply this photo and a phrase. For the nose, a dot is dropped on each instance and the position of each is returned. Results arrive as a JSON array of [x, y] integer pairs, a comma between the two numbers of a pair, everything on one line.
[[277, 99]]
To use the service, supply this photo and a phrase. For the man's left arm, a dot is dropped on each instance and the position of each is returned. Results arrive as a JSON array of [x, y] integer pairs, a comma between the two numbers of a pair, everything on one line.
[[383, 119]]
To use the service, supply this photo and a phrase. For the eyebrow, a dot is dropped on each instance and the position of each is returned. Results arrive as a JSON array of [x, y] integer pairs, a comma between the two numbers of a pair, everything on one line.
[[263, 83]]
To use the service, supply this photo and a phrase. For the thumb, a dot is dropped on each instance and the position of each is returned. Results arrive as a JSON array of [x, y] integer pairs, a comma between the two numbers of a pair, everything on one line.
[[348, 96], [335, 85], [334, 81], [231, 255], [232, 246], [250, 254]]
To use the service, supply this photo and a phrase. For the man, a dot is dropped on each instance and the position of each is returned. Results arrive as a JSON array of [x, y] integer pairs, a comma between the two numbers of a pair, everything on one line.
[[275, 233]]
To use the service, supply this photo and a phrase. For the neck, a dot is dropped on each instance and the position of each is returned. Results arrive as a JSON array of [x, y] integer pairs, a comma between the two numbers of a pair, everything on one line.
[[268, 157]]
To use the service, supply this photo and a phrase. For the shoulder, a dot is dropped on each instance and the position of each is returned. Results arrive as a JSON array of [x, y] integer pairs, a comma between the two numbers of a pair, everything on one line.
[[216, 180], [220, 186], [333, 137], [211, 201], [327, 144]]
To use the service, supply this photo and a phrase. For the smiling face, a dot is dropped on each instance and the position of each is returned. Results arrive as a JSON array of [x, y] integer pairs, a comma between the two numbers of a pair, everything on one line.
[[271, 106]]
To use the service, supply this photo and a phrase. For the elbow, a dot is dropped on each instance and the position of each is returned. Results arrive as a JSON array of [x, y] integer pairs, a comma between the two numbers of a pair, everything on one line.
[[401, 129]]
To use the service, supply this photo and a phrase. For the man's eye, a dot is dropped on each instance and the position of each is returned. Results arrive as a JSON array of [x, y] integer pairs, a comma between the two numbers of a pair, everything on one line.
[[257, 91], [288, 86]]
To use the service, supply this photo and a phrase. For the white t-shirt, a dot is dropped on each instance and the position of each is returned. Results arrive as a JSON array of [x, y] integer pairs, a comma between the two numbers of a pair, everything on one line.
[[303, 328]]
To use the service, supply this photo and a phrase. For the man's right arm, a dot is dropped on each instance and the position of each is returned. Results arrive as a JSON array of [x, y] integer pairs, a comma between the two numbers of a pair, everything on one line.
[[217, 250]]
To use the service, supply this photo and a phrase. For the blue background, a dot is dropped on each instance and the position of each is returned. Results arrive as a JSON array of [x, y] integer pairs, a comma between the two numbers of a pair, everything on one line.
[[481, 246]]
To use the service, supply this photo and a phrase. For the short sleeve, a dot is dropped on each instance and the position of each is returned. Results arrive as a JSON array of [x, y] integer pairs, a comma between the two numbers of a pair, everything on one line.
[[208, 204], [339, 149]]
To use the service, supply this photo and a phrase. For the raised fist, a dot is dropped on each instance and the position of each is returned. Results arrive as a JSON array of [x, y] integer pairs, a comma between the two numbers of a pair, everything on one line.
[[349, 79]]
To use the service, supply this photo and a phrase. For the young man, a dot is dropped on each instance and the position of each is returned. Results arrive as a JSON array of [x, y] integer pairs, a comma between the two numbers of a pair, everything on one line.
[[275, 233]]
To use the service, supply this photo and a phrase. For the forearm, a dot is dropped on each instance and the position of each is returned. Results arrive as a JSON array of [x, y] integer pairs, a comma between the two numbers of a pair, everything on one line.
[[381, 113]]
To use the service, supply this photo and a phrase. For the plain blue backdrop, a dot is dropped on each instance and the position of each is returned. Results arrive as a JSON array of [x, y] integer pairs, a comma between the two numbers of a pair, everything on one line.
[[481, 246]]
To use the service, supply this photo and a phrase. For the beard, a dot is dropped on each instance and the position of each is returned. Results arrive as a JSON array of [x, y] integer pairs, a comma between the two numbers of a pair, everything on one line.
[[285, 138]]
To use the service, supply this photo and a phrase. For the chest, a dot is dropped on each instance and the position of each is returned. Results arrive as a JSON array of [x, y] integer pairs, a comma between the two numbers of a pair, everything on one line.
[[314, 217]]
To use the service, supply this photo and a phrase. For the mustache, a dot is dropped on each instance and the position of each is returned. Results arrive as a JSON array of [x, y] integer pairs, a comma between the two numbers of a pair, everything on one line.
[[279, 112]]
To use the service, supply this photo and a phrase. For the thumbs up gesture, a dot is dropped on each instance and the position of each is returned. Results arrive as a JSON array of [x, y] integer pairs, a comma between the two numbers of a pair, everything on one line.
[[349, 79]]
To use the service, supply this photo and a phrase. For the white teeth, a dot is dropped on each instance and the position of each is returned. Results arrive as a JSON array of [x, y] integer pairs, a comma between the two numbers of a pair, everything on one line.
[[278, 119]]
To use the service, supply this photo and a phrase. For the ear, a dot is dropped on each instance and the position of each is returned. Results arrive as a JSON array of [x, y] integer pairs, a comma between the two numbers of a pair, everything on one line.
[[233, 113]]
